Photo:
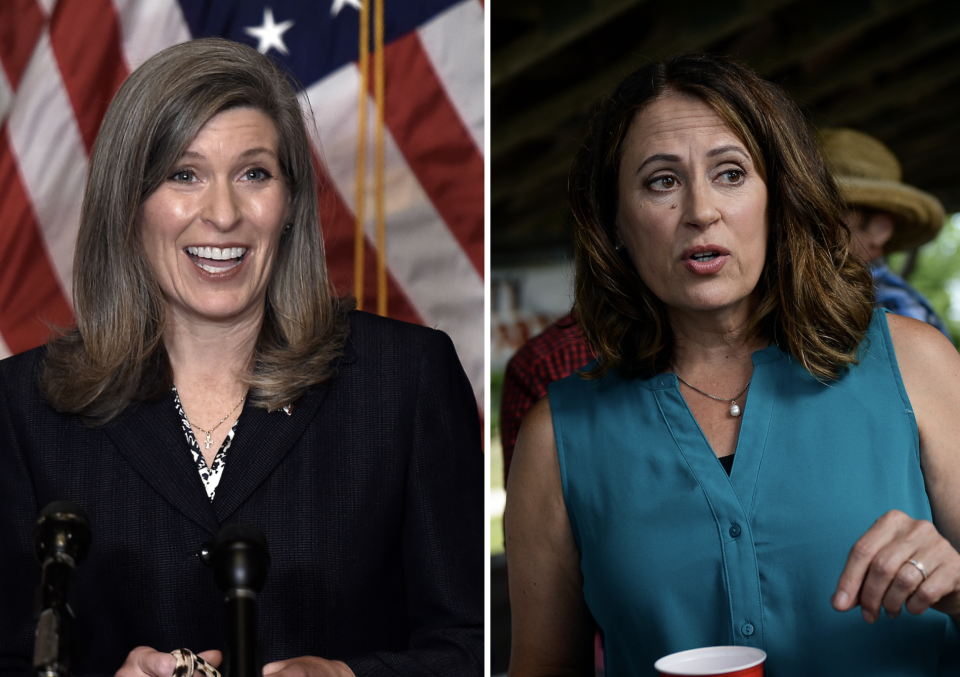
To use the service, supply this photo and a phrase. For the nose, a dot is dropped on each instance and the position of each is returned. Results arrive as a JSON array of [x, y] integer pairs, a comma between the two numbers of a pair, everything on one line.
[[221, 206], [701, 208]]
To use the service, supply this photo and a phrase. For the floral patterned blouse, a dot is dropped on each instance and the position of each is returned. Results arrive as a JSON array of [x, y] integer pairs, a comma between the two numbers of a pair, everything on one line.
[[209, 474]]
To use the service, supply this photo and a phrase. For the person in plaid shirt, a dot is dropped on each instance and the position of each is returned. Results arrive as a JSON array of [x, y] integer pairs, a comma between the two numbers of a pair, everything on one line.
[[551, 355]]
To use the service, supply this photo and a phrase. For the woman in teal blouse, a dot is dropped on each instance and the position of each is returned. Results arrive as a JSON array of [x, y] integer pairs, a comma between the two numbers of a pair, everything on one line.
[[755, 453]]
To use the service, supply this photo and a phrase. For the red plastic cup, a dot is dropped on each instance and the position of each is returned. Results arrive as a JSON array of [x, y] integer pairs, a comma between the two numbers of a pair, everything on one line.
[[729, 661]]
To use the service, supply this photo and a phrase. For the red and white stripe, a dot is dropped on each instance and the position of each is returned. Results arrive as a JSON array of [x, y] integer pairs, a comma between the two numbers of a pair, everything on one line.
[[433, 201], [453, 41], [62, 61]]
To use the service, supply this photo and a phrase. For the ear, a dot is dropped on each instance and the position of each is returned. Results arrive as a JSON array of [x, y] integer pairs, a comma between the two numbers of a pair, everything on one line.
[[617, 240], [880, 228]]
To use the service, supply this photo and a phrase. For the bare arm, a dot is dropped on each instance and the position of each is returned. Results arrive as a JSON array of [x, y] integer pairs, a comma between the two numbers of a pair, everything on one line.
[[878, 571], [552, 627]]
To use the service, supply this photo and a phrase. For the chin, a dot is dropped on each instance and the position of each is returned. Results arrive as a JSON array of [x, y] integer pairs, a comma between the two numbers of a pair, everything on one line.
[[220, 312], [711, 302]]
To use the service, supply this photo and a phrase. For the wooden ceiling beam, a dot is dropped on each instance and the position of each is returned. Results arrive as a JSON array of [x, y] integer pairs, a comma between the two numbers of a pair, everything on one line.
[[939, 26], [858, 106], [821, 35], [541, 43], [931, 111], [511, 178], [517, 10], [547, 115], [914, 147], [931, 167], [536, 230]]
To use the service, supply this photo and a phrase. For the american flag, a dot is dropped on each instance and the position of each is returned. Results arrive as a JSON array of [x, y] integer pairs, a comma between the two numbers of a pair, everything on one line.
[[63, 60]]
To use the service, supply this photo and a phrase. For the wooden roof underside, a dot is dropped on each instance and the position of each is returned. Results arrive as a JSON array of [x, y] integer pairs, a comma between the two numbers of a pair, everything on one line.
[[888, 67]]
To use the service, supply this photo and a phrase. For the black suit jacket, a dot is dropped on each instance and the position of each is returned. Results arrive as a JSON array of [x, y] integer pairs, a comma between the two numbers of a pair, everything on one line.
[[370, 495]]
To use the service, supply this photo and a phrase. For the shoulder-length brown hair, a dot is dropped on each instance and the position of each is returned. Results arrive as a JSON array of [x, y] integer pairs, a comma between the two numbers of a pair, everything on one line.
[[815, 297], [115, 354]]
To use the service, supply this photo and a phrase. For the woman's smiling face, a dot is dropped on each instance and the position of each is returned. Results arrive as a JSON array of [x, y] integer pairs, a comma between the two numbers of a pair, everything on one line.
[[692, 208], [212, 228]]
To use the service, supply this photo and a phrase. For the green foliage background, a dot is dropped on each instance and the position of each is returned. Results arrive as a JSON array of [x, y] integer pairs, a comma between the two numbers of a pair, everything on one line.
[[937, 273]]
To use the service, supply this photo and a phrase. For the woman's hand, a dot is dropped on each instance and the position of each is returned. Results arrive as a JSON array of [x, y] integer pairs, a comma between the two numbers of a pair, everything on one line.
[[307, 666], [144, 661], [880, 570]]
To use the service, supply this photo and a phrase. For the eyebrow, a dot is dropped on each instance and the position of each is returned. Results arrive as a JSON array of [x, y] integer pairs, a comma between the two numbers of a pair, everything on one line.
[[250, 152], [726, 149], [666, 157]]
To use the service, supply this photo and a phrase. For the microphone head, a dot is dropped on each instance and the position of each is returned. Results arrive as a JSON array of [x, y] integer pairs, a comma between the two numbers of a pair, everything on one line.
[[240, 558], [63, 527]]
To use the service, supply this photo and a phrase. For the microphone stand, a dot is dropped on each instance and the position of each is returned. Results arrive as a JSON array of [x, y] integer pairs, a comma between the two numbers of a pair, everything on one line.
[[240, 560], [61, 539]]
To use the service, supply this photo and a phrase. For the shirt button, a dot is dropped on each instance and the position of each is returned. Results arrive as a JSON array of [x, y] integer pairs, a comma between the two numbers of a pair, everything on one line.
[[735, 530], [746, 629]]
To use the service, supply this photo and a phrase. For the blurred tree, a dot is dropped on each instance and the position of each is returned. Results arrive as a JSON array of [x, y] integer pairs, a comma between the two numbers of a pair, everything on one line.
[[936, 274]]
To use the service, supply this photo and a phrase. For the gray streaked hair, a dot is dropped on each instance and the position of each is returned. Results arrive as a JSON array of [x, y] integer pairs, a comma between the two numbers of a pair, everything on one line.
[[115, 354]]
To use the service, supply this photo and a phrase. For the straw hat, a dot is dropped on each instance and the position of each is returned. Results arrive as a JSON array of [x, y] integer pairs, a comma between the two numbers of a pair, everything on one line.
[[869, 175]]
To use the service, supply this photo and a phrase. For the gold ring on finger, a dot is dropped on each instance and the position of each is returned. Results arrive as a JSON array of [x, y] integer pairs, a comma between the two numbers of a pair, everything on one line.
[[919, 566]]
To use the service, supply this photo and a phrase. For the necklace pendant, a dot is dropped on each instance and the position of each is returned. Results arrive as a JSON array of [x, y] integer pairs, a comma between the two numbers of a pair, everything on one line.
[[209, 441], [734, 410]]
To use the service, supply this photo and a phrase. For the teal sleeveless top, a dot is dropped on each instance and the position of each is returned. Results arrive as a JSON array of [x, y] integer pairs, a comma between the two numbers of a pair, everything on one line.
[[677, 555]]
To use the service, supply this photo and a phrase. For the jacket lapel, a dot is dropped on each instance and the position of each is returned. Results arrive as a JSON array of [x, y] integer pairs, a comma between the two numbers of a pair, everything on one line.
[[150, 436], [263, 439]]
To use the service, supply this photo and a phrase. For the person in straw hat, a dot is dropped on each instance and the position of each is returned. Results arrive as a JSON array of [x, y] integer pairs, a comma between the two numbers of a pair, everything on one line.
[[884, 215]]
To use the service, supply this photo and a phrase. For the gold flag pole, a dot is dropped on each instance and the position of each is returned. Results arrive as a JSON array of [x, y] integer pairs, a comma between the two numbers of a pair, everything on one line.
[[378, 178], [358, 235]]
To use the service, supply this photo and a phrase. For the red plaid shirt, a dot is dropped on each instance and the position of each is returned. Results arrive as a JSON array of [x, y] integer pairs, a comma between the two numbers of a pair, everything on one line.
[[551, 355]]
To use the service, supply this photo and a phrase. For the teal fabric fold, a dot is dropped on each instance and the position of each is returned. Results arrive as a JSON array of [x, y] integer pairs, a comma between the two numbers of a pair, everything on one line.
[[677, 555]]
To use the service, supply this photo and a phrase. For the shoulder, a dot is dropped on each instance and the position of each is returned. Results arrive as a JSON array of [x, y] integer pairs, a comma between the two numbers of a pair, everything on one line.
[[20, 374], [386, 353], [368, 331], [21, 398], [537, 427], [930, 369], [924, 355], [534, 483]]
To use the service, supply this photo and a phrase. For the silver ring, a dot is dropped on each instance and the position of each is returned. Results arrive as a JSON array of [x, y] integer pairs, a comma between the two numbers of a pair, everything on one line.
[[919, 566]]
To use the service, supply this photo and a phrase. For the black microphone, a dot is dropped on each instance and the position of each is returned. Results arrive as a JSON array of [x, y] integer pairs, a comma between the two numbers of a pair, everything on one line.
[[61, 539], [240, 560]]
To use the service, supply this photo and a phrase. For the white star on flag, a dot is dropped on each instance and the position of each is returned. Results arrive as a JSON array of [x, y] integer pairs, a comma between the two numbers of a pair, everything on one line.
[[340, 4], [270, 33]]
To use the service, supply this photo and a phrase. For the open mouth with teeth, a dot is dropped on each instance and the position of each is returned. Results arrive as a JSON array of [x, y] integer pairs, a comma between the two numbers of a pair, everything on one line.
[[215, 259], [703, 257]]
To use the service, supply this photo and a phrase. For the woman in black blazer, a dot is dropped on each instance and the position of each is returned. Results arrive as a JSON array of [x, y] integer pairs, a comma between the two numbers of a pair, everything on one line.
[[213, 378]]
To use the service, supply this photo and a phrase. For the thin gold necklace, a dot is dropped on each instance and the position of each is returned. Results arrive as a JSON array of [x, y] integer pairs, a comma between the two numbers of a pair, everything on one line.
[[208, 433]]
